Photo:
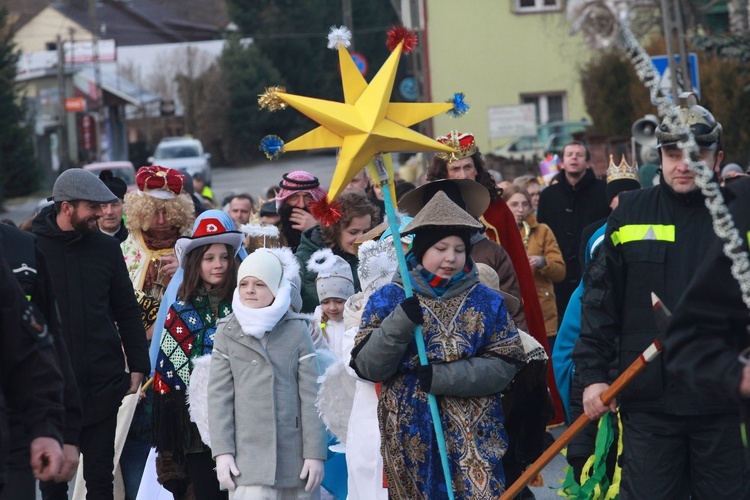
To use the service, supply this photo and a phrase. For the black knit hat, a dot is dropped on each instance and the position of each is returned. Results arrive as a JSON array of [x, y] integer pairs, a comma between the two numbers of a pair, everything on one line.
[[618, 186], [426, 236]]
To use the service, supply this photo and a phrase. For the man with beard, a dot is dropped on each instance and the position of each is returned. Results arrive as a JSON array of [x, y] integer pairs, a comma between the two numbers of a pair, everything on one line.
[[101, 320], [299, 190]]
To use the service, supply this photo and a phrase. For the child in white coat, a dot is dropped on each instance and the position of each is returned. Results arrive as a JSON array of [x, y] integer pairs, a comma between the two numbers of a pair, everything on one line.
[[264, 370], [334, 284]]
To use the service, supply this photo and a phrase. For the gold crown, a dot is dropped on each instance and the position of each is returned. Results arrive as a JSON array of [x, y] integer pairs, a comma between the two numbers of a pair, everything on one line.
[[621, 171], [462, 142]]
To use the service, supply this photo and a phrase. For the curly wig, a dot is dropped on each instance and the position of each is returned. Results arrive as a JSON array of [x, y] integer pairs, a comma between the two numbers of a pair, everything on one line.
[[140, 209], [438, 170], [354, 204]]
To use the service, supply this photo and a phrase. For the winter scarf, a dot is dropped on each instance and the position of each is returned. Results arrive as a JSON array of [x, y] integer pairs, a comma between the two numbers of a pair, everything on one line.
[[437, 284], [256, 322]]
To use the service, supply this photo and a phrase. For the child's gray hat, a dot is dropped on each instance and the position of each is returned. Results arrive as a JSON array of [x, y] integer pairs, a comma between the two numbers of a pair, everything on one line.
[[335, 278]]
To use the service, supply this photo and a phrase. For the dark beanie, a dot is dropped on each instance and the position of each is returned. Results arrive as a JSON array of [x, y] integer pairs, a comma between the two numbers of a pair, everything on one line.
[[426, 236], [114, 184], [617, 186]]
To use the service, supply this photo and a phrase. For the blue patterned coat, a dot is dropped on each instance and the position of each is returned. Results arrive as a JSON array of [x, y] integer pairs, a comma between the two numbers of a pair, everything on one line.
[[475, 351]]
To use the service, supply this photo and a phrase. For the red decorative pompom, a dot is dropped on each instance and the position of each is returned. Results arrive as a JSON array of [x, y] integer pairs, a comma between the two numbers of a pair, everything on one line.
[[325, 212], [397, 34]]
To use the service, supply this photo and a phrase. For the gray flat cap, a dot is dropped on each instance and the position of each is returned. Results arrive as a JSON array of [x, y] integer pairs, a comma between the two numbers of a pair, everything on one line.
[[79, 184]]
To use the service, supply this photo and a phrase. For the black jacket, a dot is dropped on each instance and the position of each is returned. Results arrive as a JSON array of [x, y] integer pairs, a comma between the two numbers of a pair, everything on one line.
[[30, 382], [655, 241], [709, 326], [32, 273], [567, 209], [94, 292]]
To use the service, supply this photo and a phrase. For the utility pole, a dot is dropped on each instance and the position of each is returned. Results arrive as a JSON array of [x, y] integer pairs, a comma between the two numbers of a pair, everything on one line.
[[346, 9], [62, 142], [410, 12], [674, 32], [99, 111]]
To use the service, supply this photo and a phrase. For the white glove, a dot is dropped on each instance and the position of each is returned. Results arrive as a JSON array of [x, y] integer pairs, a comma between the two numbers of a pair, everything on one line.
[[313, 471], [225, 469]]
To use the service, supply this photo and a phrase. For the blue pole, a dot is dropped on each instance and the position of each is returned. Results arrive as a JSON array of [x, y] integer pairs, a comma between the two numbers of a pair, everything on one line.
[[393, 224]]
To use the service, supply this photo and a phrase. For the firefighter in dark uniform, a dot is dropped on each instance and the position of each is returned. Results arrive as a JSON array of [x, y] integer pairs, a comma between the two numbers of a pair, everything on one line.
[[709, 329], [30, 271], [30, 382], [677, 444]]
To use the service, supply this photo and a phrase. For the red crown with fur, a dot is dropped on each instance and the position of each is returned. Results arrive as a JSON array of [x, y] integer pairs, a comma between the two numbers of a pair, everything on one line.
[[161, 182], [462, 142]]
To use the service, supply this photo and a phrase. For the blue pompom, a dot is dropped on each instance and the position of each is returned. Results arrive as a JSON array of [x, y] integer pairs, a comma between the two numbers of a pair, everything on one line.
[[459, 105], [272, 146]]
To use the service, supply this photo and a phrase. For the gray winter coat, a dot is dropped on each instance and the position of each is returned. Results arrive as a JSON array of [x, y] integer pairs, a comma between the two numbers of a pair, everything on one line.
[[261, 401]]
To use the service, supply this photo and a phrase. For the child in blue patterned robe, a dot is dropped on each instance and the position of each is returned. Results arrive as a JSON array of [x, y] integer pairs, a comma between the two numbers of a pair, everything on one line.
[[473, 350]]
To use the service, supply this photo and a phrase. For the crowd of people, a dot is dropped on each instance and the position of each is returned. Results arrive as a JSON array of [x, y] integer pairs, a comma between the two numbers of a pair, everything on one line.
[[162, 343]]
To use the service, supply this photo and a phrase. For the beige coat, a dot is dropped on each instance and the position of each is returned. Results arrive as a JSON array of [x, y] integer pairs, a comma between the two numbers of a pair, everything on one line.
[[542, 242], [261, 402]]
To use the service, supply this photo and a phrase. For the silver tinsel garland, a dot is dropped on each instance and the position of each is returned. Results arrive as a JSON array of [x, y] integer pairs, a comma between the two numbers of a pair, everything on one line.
[[722, 220]]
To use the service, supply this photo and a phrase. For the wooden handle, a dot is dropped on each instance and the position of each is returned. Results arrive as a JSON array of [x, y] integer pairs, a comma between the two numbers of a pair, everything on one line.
[[613, 390], [147, 384]]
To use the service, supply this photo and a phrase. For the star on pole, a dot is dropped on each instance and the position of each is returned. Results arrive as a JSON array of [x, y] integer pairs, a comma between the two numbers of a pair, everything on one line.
[[366, 123]]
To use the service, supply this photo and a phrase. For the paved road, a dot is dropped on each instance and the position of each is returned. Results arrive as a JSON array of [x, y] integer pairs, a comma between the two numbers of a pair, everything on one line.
[[255, 179]]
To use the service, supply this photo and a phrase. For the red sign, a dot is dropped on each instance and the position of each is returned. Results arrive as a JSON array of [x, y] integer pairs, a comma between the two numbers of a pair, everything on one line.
[[75, 104], [86, 133]]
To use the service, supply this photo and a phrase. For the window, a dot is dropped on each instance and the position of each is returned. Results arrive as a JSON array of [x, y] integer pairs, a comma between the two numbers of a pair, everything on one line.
[[549, 107], [537, 5]]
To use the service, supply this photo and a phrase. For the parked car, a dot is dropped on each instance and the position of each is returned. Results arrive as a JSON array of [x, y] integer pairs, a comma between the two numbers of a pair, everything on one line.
[[184, 154], [121, 169], [550, 138]]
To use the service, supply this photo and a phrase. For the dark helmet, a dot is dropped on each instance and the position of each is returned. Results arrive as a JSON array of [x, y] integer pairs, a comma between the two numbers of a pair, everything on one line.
[[703, 125]]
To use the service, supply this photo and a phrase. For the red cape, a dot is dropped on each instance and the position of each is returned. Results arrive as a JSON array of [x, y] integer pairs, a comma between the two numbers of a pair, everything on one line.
[[502, 226]]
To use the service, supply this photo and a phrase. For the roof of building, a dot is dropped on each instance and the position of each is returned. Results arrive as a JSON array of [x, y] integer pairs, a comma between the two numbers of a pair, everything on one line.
[[138, 22], [135, 22]]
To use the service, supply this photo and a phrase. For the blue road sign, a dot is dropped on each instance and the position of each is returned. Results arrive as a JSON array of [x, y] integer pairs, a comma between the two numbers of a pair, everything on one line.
[[661, 65], [360, 62], [408, 88]]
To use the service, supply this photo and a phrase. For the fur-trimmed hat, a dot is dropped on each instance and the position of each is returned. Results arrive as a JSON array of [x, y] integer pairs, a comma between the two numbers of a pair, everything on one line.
[[160, 182], [334, 278]]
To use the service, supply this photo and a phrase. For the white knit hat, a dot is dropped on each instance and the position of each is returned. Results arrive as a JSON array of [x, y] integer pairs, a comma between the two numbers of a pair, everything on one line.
[[265, 266], [334, 275]]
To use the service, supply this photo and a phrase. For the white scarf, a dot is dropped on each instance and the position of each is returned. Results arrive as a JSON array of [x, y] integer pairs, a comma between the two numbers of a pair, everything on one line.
[[257, 322]]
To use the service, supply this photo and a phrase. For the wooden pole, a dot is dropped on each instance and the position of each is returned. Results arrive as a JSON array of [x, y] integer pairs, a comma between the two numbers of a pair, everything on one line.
[[663, 316], [613, 390]]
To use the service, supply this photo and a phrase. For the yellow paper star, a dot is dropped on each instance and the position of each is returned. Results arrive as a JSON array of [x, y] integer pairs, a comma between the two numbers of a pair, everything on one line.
[[366, 123]]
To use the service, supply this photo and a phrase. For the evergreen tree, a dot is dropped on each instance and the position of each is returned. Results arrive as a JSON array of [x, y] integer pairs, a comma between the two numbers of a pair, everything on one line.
[[19, 171], [292, 35], [246, 74]]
